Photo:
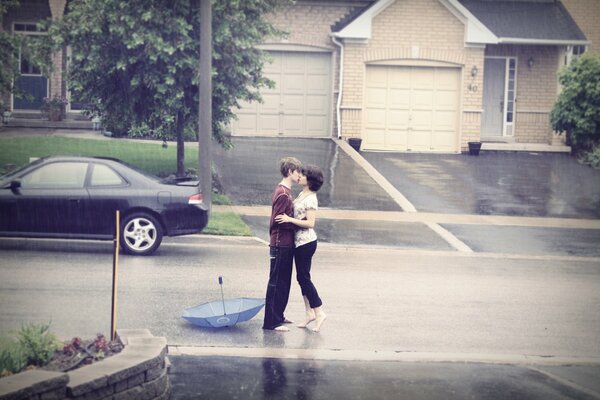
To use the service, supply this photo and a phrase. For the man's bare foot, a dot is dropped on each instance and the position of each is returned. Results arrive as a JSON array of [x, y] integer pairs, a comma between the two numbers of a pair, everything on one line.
[[282, 328], [287, 321], [319, 321]]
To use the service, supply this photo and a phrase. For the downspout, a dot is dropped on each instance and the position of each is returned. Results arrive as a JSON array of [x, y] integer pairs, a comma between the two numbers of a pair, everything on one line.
[[341, 81]]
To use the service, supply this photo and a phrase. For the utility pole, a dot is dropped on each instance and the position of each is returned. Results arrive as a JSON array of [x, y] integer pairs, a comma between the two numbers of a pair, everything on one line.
[[205, 103]]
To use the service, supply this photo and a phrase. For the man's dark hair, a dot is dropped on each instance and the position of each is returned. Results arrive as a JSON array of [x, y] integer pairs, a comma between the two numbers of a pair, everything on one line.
[[314, 177]]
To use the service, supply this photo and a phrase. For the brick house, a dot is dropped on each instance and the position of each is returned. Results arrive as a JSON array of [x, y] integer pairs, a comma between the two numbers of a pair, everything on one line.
[[409, 75]]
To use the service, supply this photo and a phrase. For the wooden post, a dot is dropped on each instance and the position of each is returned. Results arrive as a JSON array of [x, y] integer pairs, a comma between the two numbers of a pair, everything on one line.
[[113, 316], [205, 103]]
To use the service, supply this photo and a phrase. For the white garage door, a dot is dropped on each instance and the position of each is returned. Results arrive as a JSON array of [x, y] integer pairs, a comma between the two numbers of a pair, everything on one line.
[[411, 108], [298, 105]]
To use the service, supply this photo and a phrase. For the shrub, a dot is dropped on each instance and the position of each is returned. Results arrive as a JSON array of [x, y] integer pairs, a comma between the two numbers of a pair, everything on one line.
[[592, 158], [12, 357], [577, 109], [37, 343]]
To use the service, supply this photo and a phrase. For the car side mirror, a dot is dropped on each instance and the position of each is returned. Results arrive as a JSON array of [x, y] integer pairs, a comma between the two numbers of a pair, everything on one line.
[[15, 186]]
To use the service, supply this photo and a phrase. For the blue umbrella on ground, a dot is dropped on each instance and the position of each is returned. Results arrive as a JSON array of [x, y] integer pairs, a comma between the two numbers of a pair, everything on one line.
[[217, 314]]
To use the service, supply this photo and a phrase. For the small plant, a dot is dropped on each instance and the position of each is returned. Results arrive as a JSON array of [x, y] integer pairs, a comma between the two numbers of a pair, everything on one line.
[[54, 107], [38, 343], [12, 357], [54, 103]]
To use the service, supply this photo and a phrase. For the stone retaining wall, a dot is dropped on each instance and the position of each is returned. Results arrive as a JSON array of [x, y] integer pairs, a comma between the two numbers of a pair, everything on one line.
[[138, 372]]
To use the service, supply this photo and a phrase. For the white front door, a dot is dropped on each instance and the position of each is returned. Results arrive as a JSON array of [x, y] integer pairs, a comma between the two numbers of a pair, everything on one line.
[[493, 96]]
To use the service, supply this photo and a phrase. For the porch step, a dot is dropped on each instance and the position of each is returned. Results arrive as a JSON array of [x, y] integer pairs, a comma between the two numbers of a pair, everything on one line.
[[36, 121], [531, 147]]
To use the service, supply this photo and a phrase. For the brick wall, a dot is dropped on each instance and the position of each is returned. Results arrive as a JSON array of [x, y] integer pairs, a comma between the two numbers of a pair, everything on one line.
[[414, 29], [586, 14]]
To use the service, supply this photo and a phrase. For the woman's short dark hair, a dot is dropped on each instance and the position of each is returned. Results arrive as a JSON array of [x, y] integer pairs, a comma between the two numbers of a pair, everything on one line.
[[314, 177]]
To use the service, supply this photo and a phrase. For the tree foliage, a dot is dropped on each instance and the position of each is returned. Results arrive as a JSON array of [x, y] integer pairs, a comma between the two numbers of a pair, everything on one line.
[[135, 63], [577, 109], [9, 51]]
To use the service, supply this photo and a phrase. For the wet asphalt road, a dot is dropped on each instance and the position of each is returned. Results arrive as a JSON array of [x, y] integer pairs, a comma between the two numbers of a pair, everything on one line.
[[269, 378]]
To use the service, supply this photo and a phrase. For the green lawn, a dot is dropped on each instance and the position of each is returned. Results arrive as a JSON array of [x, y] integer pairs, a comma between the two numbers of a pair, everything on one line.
[[151, 157]]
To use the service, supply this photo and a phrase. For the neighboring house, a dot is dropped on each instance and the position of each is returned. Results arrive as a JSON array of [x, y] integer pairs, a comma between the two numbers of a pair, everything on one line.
[[403, 75], [22, 20]]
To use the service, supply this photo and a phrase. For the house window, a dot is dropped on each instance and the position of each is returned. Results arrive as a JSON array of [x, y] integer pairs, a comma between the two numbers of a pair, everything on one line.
[[26, 67], [511, 89], [578, 50]]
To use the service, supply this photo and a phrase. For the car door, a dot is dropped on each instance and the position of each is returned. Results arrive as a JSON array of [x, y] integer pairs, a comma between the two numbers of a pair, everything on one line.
[[108, 192], [50, 201]]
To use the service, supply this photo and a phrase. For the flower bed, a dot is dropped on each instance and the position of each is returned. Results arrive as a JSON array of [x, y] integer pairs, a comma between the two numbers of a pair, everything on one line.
[[139, 371]]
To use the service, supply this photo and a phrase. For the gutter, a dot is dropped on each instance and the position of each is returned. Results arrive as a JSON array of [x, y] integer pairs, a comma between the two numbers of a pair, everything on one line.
[[341, 81]]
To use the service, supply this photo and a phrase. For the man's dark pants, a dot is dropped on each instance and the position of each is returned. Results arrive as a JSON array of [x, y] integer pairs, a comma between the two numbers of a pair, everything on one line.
[[278, 289]]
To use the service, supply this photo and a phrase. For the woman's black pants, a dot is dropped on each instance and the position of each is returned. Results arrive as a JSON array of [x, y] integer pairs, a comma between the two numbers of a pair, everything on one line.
[[303, 257]]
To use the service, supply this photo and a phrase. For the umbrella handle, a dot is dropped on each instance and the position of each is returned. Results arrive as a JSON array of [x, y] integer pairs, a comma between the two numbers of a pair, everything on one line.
[[222, 297]]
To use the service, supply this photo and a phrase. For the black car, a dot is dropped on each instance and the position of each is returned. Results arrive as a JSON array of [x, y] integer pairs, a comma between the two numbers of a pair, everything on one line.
[[77, 197]]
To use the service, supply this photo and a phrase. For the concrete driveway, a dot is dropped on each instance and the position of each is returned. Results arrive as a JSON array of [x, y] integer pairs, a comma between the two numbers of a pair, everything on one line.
[[498, 202], [493, 183]]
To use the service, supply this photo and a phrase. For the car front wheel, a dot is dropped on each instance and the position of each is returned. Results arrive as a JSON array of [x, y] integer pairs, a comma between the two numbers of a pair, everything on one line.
[[141, 234]]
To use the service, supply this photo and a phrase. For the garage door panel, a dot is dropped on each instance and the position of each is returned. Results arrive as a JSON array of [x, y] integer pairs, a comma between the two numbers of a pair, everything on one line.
[[247, 123], [375, 118], [421, 119], [294, 63], [270, 104], [444, 121], [445, 99], [397, 119], [376, 97], [399, 78], [293, 104], [293, 124], [374, 139], [315, 104], [422, 99], [443, 141], [419, 140], [377, 77], [293, 83], [315, 124], [268, 124], [396, 139], [398, 98]]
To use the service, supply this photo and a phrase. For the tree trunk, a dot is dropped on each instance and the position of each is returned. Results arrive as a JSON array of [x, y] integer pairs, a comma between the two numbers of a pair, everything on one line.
[[179, 125]]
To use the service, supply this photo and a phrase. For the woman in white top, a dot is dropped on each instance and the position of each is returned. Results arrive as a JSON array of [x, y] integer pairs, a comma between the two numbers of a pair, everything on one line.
[[305, 215]]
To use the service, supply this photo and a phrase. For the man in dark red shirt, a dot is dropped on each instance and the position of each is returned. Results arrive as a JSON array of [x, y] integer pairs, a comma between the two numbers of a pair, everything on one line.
[[281, 247]]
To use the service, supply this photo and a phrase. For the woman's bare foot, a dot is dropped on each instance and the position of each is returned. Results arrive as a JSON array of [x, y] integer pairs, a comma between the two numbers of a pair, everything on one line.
[[310, 317], [282, 328], [320, 317]]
